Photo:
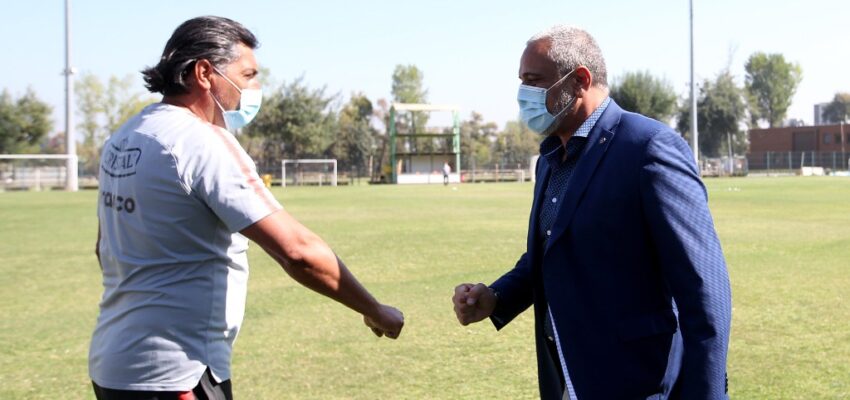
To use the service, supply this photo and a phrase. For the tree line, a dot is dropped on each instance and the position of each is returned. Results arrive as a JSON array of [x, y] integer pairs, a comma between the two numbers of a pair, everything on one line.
[[724, 108], [298, 121]]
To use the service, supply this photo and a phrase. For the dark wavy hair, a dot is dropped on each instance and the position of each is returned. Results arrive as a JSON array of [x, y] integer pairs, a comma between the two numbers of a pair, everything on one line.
[[203, 38]]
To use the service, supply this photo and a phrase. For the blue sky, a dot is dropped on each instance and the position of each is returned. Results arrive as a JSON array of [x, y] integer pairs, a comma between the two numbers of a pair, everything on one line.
[[469, 50]]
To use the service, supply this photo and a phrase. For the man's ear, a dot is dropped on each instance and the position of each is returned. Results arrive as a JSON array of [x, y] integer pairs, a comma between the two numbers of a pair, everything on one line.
[[584, 80], [202, 74]]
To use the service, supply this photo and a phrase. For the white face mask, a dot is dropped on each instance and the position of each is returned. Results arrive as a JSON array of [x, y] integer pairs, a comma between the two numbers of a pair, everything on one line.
[[532, 106], [249, 105]]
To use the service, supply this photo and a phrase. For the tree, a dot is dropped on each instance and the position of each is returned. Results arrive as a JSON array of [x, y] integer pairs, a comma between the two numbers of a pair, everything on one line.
[[838, 110], [23, 122], [90, 101], [102, 110], [121, 102], [720, 112], [645, 94], [355, 135], [516, 145], [381, 163], [295, 122], [476, 141], [407, 87], [53, 144], [771, 83]]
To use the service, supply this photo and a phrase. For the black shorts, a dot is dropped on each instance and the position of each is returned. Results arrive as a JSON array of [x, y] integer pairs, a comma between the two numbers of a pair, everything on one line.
[[207, 389]]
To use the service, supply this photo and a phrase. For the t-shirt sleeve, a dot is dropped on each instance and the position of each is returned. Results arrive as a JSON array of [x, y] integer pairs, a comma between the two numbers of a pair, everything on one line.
[[226, 180]]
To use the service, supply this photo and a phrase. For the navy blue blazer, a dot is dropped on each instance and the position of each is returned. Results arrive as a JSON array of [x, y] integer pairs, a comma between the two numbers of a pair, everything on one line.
[[633, 271]]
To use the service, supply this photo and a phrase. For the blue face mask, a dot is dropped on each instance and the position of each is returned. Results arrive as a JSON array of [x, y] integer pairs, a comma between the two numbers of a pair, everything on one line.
[[532, 107], [249, 105]]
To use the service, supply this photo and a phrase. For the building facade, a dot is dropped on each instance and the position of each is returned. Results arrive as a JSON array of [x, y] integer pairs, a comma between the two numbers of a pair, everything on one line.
[[825, 146]]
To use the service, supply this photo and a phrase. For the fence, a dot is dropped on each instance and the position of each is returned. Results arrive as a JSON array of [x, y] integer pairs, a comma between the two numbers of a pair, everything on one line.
[[795, 160], [31, 177], [724, 166], [314, 178], [494, 175]]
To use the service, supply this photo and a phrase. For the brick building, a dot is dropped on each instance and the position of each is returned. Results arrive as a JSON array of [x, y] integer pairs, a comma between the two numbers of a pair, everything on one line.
[[791, 147]]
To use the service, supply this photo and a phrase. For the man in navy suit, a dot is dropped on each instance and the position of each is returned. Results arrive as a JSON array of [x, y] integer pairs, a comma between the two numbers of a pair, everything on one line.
[[623, 266]]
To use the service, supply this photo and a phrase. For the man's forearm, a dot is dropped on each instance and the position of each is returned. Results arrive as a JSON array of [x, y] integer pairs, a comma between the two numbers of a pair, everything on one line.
[[320, 270], [310, 261]]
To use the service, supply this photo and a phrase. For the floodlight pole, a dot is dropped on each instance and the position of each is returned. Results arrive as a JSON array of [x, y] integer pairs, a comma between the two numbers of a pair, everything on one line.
[[841, 126], [71, 183], [694, 127], [456, 140], [394, 175]]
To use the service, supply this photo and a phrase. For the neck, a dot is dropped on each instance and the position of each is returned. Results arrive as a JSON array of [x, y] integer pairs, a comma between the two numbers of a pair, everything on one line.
[[200, 105], [587, 104]]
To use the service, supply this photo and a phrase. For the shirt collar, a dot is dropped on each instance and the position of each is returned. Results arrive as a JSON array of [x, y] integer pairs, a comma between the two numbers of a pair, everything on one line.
[[552, 143], [590, 122]]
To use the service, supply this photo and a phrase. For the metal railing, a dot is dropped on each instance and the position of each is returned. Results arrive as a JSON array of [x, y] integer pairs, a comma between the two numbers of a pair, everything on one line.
[[724, 166], [796, 160], [494, 175]]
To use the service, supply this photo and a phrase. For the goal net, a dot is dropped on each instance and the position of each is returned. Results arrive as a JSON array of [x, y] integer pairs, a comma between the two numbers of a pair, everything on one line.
[[33, 171], [317, 172]]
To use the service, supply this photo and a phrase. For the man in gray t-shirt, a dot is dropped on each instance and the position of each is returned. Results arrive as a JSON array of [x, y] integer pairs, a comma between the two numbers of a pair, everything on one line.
[[179, 199]]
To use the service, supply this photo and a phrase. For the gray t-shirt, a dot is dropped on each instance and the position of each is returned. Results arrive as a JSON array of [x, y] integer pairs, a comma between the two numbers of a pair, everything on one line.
[[174, 193]]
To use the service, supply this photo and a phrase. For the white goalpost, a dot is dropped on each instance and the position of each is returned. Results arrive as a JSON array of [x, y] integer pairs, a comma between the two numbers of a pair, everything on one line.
[[309, 171], [35, 171]]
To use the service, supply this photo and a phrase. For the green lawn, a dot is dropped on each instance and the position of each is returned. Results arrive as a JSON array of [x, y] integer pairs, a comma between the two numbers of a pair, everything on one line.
[[787, 242]]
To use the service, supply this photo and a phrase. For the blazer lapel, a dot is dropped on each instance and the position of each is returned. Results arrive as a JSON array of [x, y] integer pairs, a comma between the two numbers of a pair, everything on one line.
[[597, 143]]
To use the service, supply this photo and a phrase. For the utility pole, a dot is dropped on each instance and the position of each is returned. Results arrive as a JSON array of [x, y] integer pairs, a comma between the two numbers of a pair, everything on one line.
[[729, 146], [694, 127], [71, 183], [844, 160]]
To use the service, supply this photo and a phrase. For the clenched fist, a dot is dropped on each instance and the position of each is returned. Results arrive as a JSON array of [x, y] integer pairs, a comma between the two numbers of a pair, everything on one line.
[[386, 321], [473, 302]]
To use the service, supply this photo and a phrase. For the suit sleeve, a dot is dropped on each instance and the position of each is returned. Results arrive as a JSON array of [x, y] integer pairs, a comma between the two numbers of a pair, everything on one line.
[[515, 293], [676, 208]]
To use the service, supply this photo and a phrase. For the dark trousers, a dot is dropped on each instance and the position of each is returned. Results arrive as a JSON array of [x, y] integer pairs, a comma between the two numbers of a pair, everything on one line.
[[207, 389]]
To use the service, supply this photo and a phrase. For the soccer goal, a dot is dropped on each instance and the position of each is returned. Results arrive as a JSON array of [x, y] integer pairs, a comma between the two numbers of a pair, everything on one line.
[[35, 171], [317, 172]]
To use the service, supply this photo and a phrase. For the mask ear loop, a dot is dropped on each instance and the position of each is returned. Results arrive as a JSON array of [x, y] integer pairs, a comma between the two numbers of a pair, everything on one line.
[[556, 84], [226, 78], [569, 103], [566, 107], [217, 103], [221, 74]]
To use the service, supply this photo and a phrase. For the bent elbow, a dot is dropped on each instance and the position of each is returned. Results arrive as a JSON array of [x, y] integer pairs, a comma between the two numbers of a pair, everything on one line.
[[303, 251]]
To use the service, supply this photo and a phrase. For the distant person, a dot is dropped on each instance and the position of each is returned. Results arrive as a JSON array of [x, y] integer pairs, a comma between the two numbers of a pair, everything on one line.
[[623, 266], [447, 169], [178, 198]]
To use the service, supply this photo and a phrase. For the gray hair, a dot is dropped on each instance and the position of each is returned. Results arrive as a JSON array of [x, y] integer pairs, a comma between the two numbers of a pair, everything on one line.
[[572, 47], [204, 38]]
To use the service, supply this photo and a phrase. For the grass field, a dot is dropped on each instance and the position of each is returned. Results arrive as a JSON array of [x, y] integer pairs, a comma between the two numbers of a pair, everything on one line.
[[787, 242]]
